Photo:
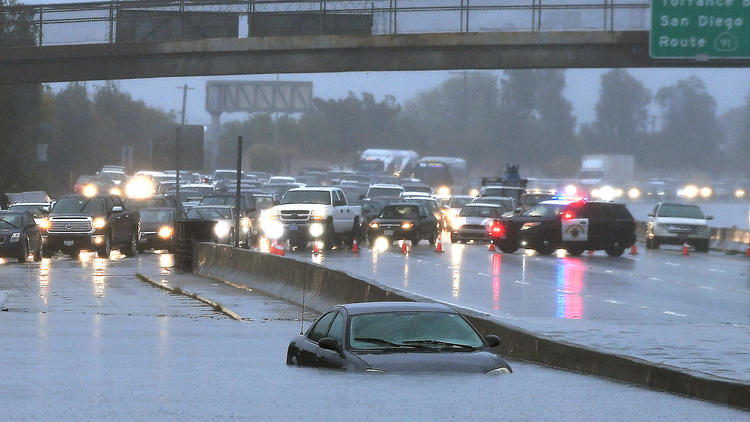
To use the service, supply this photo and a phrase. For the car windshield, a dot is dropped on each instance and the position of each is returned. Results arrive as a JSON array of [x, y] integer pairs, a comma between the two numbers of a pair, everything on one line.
[[263, 202], [481, 212], [209, 213], [430, 204], [10, 221], [436, 330], [156, 216], [80, 204], [384, 192], [400, 212], [534, 199], [545, 210], [141, 203], [307, 197], [35, 210], [680, 211], [219, 200]]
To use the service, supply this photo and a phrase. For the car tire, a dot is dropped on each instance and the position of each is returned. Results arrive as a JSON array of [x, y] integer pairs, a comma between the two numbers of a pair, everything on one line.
[[649, 243], [106, 248], [24, 250], [131, 249], [506, 247], [615, 249], [547, 247], [47, 252], [575, 251], [330, 237], [38, 253], [297, 244]]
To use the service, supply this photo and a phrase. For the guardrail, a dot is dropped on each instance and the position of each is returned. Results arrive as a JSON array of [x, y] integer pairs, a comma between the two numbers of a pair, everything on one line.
[[99, 22]]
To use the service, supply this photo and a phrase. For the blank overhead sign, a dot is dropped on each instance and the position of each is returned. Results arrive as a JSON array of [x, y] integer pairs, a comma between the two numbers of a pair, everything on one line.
[[253, 97]]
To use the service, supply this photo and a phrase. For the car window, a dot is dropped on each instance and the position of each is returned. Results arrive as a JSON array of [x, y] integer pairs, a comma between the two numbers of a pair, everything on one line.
[[320, 329], [339, 199], [10, 221], [337, 328], [680, 211], [545, 210]]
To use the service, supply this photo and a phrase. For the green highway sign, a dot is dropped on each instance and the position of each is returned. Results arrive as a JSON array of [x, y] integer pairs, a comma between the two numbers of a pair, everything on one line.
[[701, 29]]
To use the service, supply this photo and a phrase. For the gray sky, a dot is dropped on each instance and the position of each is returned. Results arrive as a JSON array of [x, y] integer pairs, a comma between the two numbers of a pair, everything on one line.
[[728, 86]]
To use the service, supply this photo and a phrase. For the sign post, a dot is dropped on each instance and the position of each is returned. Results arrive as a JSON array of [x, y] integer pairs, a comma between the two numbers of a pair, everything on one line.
[[700, 29]]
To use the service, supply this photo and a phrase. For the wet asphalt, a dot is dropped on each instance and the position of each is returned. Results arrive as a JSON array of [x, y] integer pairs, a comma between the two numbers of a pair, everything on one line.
[[83, 339]]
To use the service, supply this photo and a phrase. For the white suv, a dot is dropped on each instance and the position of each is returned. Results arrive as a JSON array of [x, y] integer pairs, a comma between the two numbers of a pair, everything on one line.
[[676, 224]]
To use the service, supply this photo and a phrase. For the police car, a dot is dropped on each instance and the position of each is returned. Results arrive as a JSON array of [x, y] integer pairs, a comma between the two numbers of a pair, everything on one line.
[[573, 225]]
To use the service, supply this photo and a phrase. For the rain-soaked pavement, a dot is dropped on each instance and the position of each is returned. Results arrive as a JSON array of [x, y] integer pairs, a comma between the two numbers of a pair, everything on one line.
[[86, 340], [687, 311]]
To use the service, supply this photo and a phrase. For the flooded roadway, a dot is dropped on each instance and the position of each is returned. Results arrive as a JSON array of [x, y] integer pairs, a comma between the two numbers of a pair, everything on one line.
[[686, 311], [85, 340]]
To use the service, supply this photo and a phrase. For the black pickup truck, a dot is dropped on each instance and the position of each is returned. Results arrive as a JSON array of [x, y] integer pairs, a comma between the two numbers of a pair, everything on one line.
[[96, 223]]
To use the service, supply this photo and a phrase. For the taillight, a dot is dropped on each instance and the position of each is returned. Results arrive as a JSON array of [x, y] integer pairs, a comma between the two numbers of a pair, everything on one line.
[[568, 215], [496, 229]]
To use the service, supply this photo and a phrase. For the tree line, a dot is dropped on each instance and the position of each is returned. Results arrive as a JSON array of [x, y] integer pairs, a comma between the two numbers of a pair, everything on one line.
[[522, 117]]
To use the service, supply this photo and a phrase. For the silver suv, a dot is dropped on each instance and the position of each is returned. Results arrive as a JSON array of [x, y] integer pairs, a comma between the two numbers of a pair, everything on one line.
[[671, 223]]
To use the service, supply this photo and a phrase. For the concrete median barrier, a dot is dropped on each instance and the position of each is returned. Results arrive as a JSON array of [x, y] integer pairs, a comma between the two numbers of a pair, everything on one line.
[[288, 278]]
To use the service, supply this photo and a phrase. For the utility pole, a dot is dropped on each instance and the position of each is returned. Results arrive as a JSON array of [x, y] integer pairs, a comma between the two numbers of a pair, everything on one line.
[[178, 140]]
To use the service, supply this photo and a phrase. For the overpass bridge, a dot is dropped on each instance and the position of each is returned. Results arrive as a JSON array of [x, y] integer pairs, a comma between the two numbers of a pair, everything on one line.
[[136, 39]]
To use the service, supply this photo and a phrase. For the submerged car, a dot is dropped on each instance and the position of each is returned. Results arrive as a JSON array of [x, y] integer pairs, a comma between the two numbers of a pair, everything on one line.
[[396, 337], [19, 236]]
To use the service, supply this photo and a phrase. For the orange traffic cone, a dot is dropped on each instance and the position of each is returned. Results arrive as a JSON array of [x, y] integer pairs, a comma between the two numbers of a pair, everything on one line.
[[633, 250], [685, 249], [316, 249], [491, 248], [273, 249], [439, 244], [404, 248], [355, 247]]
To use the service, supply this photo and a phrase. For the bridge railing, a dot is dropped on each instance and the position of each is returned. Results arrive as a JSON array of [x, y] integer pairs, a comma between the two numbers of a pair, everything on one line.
[[128, 21]]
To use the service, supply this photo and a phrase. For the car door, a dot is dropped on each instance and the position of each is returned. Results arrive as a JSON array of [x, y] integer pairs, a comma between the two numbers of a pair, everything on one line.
[[309, 350], [342, 212], [427, 222], [331, 358]]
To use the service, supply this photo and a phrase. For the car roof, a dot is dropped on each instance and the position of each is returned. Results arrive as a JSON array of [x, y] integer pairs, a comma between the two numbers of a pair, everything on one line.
[[41, 204], [386, 185], [376, 307], [482, 204], [403, 204], [556, 202], [204, 206], [504, 198]]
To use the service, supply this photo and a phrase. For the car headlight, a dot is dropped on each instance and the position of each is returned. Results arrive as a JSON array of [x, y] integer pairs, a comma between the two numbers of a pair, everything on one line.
[[317, 215], [44, 224], [457, 222], [499, 371], [89, 190], [407, 225], [273, 229], [374, 225], [14, 237], [115, 191], [222, 229], [165, 232], [316, 229], [99, 223]]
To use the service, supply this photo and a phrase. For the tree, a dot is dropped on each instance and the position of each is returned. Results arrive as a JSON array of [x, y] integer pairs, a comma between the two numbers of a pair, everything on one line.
[[690, 137], [621, 115]]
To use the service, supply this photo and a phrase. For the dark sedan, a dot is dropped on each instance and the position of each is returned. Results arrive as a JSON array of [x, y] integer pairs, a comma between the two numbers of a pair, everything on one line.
[[157, 228], [407, 221], [19, 236], [396, 337]]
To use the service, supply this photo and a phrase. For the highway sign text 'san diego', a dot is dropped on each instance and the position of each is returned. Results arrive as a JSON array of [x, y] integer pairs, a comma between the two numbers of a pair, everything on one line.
[[700, 29]]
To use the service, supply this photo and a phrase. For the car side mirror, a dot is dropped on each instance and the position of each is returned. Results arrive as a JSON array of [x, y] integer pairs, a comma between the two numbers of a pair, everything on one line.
[[710, 217], [117, 208], [330, 343], [651, 214], [492, 340]]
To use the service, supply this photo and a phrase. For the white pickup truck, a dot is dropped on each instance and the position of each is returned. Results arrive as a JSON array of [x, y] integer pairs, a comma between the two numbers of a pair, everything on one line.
[[319, 213]]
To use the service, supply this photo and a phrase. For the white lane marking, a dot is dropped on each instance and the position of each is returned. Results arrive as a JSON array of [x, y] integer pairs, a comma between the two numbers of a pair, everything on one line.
[[483, 274], [707, 287], [608, 271], [714, 270], [656, 278], [614, 302], [672, 264], [521, 282], [674, 313]]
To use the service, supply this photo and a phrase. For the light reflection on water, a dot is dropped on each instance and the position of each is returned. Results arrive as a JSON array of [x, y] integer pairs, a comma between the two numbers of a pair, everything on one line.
[[457, 251], [570, 273], [99, 266], [497, 264], [44, 280]]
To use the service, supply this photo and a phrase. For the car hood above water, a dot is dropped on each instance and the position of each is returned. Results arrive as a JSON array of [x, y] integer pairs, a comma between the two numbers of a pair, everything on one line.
[[479, 361]]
